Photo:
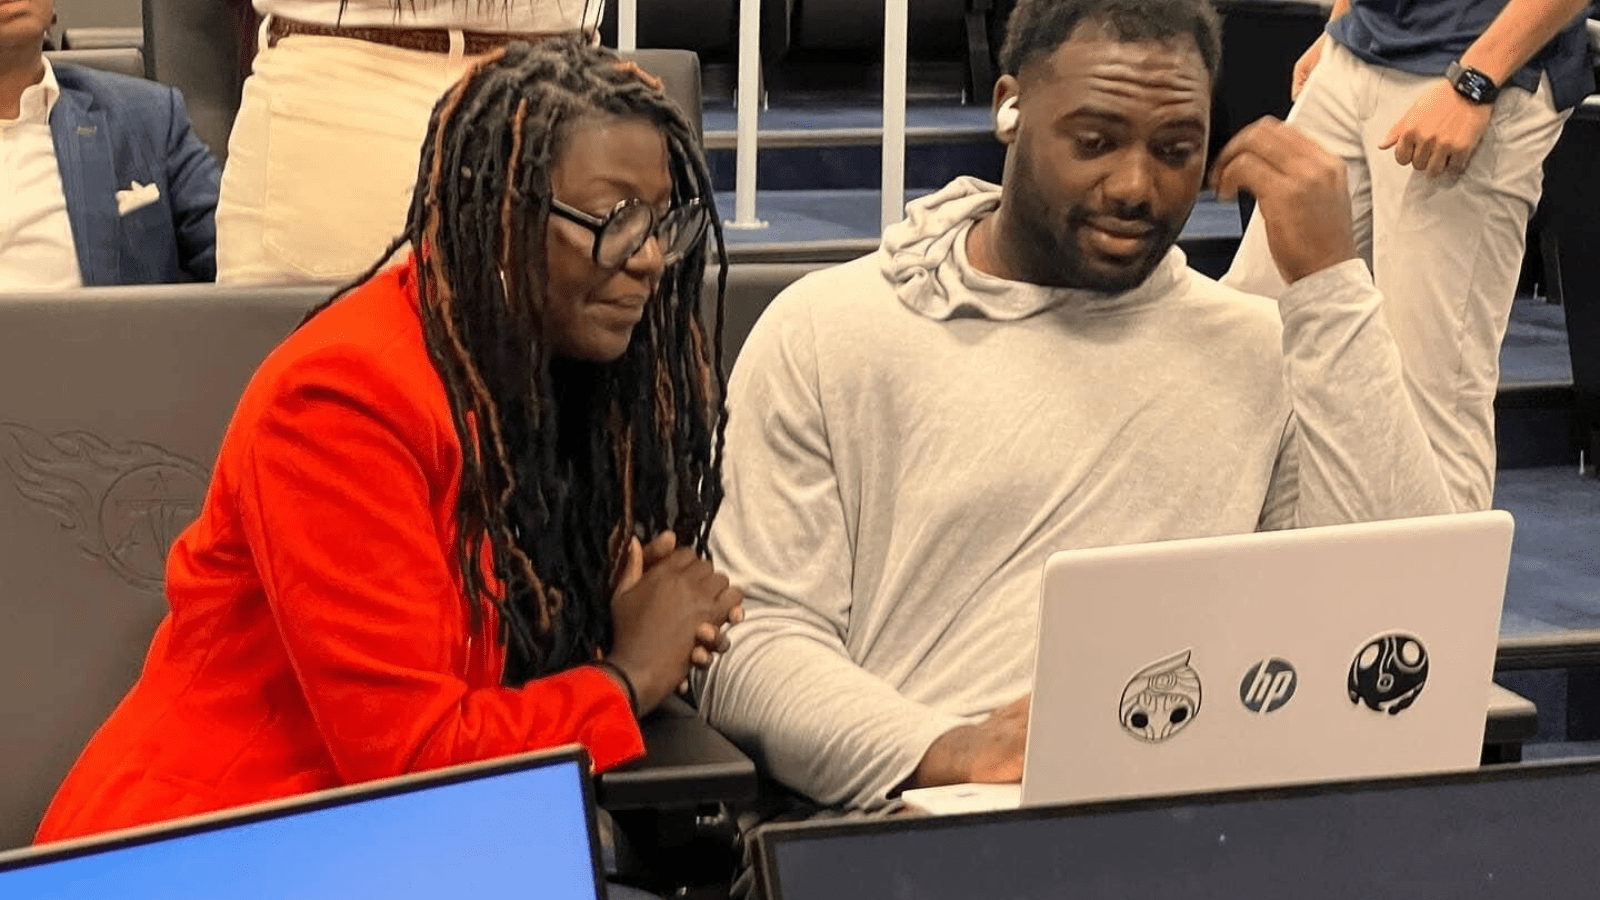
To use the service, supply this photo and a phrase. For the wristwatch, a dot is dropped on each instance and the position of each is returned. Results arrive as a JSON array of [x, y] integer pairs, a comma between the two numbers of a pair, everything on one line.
[[1471, 84]]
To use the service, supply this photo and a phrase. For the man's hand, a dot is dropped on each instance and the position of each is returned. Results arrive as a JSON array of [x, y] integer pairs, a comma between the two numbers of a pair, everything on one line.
[[989, 752], [1440, 132], [1301, 195], [1302, 69]]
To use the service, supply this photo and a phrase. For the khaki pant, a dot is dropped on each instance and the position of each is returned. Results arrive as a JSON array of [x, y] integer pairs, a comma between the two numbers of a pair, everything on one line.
[[1446, 252], [323, 157]]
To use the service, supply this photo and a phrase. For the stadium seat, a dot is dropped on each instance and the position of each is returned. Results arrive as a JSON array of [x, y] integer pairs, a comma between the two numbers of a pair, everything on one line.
[[121, 60], [114, 407], [1261, 42], [1570, 248], [679, 71], [705, 26], [751, 287], [938, 31], [73, 14], [937, 28], [777, 29], [699, 25], [191, 45], [101, 38]]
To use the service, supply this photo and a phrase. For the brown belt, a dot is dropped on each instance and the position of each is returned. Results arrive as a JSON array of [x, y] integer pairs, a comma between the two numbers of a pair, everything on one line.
[[427, 40]]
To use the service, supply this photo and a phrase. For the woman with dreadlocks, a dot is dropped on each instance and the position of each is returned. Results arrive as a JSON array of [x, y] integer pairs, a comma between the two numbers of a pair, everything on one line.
[[420, 545]]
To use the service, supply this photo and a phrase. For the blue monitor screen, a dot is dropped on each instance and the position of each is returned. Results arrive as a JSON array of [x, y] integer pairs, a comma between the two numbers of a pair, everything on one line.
[[518, 833], [1521, 836]]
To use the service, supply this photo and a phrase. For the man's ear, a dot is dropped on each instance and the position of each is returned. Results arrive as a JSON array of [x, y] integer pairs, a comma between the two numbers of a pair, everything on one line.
[[1007, 115]]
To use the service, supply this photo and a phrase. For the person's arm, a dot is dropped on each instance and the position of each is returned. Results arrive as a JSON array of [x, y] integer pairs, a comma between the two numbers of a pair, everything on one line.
[[193, 182], [336, 509], [788, 690], [1355, 449], [1313, 55], [1441, 130], [1521, 29]]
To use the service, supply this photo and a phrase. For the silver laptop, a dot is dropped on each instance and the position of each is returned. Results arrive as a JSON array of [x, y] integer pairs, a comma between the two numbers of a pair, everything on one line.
[[517, 826], [1260, 659]]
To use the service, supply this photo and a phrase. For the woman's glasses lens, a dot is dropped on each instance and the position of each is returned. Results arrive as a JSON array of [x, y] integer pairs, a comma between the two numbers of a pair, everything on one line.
[[623, 235], [681, 230], [677, 233]]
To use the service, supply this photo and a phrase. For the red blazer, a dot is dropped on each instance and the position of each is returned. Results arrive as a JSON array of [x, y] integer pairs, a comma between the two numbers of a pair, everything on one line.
[[316, 635]]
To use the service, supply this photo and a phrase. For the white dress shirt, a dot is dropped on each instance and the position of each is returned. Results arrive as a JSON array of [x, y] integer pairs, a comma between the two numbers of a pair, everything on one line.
[[36, 248]]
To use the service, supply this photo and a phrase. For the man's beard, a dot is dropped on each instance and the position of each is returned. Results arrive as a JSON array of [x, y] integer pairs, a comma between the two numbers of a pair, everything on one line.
[[1056, 255], [1049, 243]]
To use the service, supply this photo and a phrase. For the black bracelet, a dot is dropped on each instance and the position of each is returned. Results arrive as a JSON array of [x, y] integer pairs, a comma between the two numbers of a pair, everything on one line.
[[633, 695]]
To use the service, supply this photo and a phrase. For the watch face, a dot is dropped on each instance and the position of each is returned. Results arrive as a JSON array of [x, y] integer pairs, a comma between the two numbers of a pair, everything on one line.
[[1472, 84]]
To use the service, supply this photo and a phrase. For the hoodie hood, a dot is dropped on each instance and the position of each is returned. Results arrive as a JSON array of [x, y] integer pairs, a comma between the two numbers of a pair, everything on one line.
[[924, 257]]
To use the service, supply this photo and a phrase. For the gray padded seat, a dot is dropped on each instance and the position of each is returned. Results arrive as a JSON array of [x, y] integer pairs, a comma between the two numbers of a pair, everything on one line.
[[679, 71], [751, 287], [121, 60], [74, 14], [114, 405], [192, 45], [101, 38]]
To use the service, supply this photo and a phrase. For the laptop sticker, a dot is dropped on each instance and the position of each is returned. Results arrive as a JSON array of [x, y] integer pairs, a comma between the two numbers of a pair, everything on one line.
[[1161, 699], [1388, 672], [1268, 685]]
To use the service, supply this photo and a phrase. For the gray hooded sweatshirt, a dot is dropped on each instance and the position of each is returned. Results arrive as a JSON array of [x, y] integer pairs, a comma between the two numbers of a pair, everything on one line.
[[910, 438]]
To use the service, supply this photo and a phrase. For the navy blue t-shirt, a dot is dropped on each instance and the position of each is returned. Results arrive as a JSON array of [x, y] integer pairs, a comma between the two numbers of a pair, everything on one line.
[[1425, 36]]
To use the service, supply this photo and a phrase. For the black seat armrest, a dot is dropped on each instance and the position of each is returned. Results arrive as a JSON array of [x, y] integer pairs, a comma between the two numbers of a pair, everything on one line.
[[686, 763]]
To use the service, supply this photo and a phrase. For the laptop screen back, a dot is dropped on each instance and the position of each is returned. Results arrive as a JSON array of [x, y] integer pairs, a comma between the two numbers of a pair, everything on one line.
[[1312, 654], [1526, 832], [518, 832]]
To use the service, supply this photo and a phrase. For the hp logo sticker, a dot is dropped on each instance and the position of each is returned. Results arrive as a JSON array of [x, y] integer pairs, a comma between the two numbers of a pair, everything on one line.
[[1268, 685]]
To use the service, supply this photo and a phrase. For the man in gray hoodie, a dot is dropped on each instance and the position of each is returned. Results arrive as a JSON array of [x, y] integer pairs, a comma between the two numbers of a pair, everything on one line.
[[1030, 368]]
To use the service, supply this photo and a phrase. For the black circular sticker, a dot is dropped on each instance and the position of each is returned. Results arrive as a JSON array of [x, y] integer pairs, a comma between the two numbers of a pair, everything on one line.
[[1389, 672]]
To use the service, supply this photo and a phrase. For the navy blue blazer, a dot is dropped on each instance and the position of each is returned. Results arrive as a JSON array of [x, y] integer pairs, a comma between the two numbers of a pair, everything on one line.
[[111, 131]]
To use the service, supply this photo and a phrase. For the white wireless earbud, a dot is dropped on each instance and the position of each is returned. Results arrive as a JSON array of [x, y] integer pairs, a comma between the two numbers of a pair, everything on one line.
[[1005, 118]]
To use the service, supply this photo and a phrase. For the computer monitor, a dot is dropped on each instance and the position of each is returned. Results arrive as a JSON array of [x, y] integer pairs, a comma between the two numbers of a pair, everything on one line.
[[518, 826], [1505, 833]]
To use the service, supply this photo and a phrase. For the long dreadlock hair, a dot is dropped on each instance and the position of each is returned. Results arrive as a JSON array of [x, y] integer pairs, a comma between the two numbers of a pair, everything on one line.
[[563, 462]]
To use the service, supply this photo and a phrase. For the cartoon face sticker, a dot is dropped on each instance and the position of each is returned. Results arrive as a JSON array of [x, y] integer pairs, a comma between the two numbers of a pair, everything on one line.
[[1388, 672], [1161, 699]]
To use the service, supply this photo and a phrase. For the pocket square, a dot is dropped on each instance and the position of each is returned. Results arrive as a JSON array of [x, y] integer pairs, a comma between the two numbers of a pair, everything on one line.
[[136, 196]]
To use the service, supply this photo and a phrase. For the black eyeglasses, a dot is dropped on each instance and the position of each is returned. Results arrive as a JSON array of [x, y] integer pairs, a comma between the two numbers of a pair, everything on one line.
[[620, 234]]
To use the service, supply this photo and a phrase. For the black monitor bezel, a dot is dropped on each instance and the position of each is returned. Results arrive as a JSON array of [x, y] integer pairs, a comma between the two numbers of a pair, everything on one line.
[[769, 838]]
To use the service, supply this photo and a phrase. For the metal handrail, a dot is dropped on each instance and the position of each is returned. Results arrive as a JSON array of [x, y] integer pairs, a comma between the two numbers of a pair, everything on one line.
[[896, 16], [1556, 650]]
